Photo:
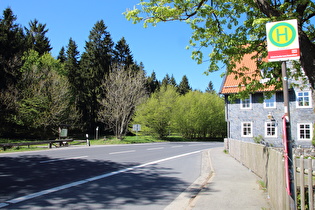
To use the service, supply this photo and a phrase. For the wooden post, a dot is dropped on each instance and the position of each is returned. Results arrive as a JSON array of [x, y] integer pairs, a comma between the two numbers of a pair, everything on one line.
[[310, 184], [295, 180], [302, 184]]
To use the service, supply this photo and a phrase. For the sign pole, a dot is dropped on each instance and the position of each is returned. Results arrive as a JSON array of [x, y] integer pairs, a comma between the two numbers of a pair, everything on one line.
[[288, 144], [283, 45]]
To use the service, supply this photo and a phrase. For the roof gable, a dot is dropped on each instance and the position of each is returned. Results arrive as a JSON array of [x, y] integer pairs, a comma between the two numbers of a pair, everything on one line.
[[246, 71]]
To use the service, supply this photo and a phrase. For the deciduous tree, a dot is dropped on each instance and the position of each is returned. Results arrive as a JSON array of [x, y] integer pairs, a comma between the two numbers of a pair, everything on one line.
[[233, 29], [123, 89], [44, 98], [155, 114]]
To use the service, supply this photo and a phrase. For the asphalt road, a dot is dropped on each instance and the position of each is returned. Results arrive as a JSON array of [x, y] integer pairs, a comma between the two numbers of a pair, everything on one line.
[[138, 176]]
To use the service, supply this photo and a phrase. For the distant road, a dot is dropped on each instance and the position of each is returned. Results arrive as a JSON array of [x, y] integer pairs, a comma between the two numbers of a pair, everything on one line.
[[137, 176]]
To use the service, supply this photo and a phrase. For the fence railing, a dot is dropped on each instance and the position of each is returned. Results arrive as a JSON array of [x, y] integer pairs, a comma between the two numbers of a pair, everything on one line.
[[304, 182], [267, 163]]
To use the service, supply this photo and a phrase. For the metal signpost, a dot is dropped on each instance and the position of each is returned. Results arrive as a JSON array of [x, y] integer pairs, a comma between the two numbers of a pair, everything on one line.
[[283, 45], [136, 127]]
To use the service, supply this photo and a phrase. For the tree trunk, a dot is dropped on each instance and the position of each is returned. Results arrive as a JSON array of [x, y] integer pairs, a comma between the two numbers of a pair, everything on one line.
[[307, 49]]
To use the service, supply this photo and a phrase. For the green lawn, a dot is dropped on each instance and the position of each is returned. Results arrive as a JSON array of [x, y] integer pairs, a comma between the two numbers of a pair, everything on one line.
[[110, 140]]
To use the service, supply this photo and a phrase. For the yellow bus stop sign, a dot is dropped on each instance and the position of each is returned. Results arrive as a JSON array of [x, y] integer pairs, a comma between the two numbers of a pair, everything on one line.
[[282, 40]]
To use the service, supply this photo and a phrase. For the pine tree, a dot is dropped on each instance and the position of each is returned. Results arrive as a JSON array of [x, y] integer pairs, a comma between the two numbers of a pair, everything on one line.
[[12, 43], [166, 81], [95, 63], [73, 72], [72, 60], [173, 81], [210, 88], [152, 83], [36, 37], [61, 56], [11, 49], [183, 86], [122, 53]]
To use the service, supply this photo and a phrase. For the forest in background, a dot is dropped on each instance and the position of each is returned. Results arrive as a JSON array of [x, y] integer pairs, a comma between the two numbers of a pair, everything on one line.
[[99, 88]]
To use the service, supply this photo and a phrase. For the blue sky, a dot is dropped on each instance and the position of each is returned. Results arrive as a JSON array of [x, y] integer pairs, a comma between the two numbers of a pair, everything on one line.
[[160, 49]]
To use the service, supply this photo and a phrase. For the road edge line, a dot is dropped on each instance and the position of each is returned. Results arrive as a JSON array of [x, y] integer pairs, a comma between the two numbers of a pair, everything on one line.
[[84, 181]]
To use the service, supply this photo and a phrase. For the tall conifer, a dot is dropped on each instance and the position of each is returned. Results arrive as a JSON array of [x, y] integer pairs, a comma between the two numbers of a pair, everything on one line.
[[95, 64], [62, 56], [184, 86], [36, 37], [12, 47], [122, 53]]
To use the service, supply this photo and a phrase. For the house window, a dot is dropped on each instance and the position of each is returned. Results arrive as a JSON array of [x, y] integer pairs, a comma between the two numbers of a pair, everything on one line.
[[305, 131], [303, 99], [270, 102], [246, 103], [270, 129], [247, 129]]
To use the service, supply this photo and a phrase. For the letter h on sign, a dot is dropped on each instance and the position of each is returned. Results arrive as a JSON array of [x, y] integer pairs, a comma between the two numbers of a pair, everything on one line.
[[283, 34]]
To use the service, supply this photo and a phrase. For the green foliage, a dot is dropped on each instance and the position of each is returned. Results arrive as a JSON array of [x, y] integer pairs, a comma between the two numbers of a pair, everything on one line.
[[184, 86], [233, 29], [122, 53], [95, 64], [210, 88], [258, 139], [199, 115], [12, 47], [36, 37], [44, 94], [155, 114], [152, 83], [194, 115]]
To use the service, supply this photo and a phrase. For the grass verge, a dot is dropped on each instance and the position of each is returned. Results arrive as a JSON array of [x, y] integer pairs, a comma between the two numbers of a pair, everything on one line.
[[108, 141]]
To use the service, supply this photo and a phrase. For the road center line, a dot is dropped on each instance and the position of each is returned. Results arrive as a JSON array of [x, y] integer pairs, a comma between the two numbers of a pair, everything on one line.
[[127, 151], [177, 146], [73, 184], [61, 159], [155, 148]]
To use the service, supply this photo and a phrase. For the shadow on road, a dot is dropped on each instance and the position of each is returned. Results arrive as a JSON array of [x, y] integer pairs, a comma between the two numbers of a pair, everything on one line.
[[24, 175]]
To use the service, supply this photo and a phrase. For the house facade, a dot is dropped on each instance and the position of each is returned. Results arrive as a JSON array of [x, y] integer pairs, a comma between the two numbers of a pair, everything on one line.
[[259, 118]]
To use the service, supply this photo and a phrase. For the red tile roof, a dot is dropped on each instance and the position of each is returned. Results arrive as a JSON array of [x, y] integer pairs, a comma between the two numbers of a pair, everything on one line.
[[233, 80]]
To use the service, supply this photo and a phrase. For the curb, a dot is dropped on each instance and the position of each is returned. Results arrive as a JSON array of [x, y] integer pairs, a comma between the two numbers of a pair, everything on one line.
[[187, 198]]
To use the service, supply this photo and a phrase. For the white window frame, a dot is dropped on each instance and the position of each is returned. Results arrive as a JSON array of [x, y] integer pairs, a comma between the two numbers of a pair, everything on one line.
[[247, 101], [303, 99], [266, 129], [266, 102], [310, 131], [251, 129]]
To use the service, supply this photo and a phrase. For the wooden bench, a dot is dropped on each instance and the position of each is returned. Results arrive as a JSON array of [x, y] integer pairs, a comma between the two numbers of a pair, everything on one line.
[[61, 142]]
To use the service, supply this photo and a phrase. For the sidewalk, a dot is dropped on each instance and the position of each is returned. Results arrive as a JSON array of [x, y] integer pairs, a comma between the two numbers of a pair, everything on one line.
[[231, 186]]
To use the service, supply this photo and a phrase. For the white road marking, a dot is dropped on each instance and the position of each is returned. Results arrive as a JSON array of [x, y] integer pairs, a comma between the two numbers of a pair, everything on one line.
[[155, 148], [193, 145], [3, 205], [62, 159], [177, 146], [127, 151], [73, 184]]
